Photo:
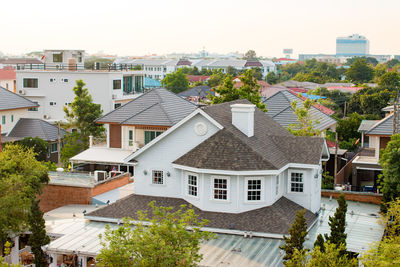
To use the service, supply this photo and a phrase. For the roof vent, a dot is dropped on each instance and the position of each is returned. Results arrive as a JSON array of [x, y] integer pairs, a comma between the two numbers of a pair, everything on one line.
[[243, 118]]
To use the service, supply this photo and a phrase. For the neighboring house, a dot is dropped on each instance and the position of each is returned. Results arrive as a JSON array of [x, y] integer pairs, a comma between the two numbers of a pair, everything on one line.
[[134, 125], [12, 108], [20, 63], [38, 128], [7, 78], [64, 59], [280, 109], [235, 165], [197, 93], [196, 78], [53, 89]]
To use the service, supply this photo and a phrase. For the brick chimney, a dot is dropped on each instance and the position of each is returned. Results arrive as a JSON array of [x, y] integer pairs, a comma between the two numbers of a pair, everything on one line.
[[243, 118]]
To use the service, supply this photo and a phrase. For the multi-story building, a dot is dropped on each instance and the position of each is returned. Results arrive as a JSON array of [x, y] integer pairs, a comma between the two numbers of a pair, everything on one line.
[[64, 59], [7, 78], [53, 89], [353, 45]]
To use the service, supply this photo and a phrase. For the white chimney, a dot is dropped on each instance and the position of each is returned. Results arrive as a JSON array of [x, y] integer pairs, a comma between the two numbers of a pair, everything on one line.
[[243, 118]]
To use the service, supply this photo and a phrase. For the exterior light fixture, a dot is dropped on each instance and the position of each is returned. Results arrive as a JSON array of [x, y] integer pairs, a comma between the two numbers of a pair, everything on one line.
[[168, 174], [145, 172]]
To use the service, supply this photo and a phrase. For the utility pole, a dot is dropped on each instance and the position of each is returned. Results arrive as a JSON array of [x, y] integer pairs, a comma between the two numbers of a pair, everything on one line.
[[396, 112], [58, 145], [335, 167]]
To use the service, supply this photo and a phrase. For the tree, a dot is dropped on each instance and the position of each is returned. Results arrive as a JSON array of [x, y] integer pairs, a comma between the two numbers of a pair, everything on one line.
[[330, 255], [386, 252], [305, 125], [21, 180], [393, 62], [379, 70], [320, 242], [137, 67], [250, 55], [38, 237], [337, 224], [390, 162], [390, 79], [226, 92], [171, 239], [176, 81], [39, 146], [272, 78], [360, 71], [231, 71], [104, 62], [297, 234], [257, 73], [216, 79]]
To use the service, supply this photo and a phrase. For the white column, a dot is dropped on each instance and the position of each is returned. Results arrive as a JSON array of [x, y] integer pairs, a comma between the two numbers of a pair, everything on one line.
[[82, 261], [15, 251], [54, 262]]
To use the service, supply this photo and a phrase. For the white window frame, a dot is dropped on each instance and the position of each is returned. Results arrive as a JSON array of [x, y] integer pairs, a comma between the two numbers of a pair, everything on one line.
[[277, 184], [162, 177], [246, 189], [228, 188], [290, 181], [30, 78], [188, 185], [131, 141]]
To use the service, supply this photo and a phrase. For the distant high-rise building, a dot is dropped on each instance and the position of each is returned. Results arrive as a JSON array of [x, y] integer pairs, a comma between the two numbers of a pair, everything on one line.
[[353, 45]]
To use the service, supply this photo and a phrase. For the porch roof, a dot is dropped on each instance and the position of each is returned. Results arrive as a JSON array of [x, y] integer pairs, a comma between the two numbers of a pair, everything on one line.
[[102, 155]]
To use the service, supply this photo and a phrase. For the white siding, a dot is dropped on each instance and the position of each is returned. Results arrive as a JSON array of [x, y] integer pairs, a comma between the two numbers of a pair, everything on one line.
[[17, 114]]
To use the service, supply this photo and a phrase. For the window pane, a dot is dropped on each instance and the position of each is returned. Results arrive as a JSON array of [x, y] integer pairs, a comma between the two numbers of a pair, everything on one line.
[[158, 177], [253, 190]]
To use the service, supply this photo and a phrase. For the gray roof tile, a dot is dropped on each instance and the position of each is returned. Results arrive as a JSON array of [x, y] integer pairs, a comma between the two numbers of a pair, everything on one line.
[[35, 128], [156, 107], [276, 218], [384, 127], [9, 100], [366, 125]]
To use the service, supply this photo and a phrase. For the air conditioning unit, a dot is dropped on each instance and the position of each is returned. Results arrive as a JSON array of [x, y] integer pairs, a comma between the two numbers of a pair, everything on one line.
[[114, 173], [46, 117], [21, 92], [100, 176]]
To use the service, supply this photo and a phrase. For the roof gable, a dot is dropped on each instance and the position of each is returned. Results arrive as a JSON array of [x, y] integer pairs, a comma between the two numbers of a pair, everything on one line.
[[384, 127]]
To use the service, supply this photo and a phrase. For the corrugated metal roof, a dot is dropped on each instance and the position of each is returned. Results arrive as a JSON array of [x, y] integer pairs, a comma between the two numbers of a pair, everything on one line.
[[9, 100], [156, 107], [27, 127], [384, 127], [279, 108]]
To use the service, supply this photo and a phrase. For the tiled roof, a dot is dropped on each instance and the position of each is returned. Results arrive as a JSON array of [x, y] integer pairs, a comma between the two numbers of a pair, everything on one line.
[[9, 100], [184, 62], [383, 127], [272, 146], [366, 125], [36, 128], [254, 63], [7, 73], [198, 91], [156, 107], [275, 219], [196, 78], [280, 109]]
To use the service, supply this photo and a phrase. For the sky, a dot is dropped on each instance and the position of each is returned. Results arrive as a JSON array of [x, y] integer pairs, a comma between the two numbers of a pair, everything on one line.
[[164, 26]]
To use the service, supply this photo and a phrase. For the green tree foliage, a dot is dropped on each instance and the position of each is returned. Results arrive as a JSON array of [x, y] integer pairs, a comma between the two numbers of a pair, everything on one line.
[[4, 264], [217, 78], [21, 179], [389, 80], [176, 81], [386, 252], [250, 55], [166, 241], [231, 71], [337, 224], [370, 101], [297, 235], [257, 73], [335, 99], [73, 145], [320, 242], [39, 146], [38, 238], [104, 62], [360, 71], [137, 67], [347, 128], [370, 60], [393, 62], [390, 162], [379, 70], [305, 126], [272, 78], [330, 255], [226, 92]]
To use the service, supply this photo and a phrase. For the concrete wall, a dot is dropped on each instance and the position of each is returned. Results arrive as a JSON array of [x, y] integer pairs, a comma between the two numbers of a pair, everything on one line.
[[8, 84]]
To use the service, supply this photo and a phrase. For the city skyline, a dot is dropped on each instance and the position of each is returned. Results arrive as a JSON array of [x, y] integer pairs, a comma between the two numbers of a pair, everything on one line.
[[161, 27]]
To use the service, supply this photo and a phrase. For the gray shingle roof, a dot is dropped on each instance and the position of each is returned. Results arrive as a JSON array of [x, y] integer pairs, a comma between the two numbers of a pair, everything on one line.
[[384, 127], [366, 125], [276, 218], [9, 100], [35, 128], [201, 91], [156, 107], [280, 109], [271, 147]]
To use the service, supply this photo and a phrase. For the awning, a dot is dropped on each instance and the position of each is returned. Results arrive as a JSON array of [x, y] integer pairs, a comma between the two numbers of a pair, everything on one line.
[[102, 155]]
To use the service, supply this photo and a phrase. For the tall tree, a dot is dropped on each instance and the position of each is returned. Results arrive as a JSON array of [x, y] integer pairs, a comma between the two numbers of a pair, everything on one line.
[[305, 125], [320, 242], [360, 71], [337, 224], [166, 241], [39, 146], [38, 237], [21, 180], [272, 78], [83, 113], [226, 92], [176, 81], [390, 162], [250, 55], [390, 80], [297, 235]]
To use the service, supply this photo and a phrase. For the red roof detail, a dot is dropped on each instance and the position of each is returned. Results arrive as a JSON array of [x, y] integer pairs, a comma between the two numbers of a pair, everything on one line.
[[331, 143], [284, 59], [345, 88], [197, 78], [7, 73], [322, 108]]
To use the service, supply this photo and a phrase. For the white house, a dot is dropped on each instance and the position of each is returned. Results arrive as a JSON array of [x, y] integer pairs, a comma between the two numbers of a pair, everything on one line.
[[53, 89]]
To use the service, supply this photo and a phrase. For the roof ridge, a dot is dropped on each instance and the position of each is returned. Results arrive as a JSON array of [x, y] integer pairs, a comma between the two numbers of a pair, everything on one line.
[[379, 123], [143, 110]]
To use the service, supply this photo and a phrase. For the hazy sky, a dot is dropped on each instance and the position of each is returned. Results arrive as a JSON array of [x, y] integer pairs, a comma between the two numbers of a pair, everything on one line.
[[164, 26]]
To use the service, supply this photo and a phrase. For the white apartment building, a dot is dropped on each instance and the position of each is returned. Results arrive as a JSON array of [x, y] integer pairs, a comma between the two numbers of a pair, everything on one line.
[[64, 59], [52, 90]]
